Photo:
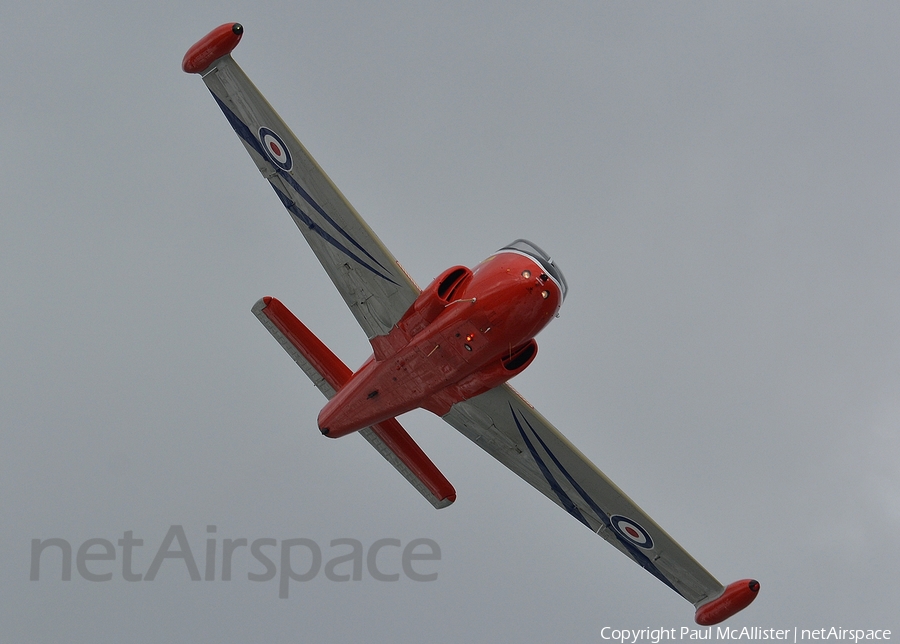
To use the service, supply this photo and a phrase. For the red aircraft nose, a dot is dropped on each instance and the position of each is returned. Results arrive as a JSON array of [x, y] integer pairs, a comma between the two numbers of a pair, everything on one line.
[[516, 294]]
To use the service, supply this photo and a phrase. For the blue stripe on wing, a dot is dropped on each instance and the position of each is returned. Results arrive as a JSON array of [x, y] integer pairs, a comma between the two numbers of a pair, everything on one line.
[[247, 135], [635, 552], [297, 212], [564, 498]]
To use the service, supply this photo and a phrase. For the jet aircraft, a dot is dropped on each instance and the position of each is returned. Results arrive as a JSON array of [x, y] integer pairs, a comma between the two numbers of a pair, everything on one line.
[[450, 348]]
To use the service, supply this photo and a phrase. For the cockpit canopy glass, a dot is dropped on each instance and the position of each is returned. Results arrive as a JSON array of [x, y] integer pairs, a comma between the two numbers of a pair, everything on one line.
[[525, 246]]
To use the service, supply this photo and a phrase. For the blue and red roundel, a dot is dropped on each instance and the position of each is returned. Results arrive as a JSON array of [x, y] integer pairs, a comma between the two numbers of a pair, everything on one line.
[[275, 149], [632, 531]]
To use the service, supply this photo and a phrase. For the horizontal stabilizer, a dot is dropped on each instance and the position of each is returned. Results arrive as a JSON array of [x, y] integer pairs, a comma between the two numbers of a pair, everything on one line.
[[328, 373], [401, 451], [325, 369]]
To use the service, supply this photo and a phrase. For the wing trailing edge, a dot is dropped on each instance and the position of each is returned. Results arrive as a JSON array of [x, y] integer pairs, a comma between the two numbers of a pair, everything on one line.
[[328, 373]]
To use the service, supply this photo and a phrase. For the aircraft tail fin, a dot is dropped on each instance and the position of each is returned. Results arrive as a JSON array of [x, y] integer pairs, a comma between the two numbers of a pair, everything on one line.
[[328, 373]]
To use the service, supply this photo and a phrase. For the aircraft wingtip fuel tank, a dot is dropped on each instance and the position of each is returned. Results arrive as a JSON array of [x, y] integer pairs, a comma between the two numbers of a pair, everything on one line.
[[219, 42]]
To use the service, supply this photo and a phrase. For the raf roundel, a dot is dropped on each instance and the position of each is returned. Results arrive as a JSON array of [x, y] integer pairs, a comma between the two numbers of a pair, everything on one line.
[[631, 531], [275, 149]]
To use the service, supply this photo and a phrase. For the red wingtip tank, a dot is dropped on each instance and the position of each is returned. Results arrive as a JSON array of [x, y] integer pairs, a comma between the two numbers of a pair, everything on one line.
[[219, 42], [737, 597]]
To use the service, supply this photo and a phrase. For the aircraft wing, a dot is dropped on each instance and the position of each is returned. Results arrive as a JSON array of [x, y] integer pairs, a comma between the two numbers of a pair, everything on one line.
[[512, 431], [370, 280]]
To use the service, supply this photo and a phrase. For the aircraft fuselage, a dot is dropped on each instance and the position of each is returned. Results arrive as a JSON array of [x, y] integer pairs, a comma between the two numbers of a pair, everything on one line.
[[468, 332]]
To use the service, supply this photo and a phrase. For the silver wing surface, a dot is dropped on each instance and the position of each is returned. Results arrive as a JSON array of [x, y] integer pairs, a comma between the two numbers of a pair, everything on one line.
[[512, 431], [370, 280]]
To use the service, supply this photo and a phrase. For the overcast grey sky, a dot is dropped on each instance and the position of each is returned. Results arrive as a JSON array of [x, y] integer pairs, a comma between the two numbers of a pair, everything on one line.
[[719, 182]]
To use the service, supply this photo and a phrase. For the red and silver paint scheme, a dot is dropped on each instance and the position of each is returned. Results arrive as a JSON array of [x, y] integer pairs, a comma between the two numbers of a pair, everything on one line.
[[450, 348]]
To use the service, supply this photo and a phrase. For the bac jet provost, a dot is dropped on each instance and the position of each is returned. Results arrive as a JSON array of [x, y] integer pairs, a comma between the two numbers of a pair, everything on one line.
[[449, 349]]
